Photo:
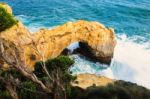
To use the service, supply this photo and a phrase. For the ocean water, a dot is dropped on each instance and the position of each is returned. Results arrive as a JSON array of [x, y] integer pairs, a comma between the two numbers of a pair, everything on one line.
[[129, 18]]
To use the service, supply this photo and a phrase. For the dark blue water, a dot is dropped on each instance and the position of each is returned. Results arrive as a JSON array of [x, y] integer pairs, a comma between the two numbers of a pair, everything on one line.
[[129, 18], [126, 16]]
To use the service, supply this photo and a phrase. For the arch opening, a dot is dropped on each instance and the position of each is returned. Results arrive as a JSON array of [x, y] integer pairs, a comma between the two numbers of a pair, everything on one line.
[[82, 48]]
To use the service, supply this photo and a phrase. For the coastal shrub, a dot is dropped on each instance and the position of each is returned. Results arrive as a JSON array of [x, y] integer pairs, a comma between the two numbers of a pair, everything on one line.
[[4, 94], [25, 88], [6, 19], [24, 84], [30, 90], [61, 62], [58, 69], [59, 66], [60, 83], [118, 90]]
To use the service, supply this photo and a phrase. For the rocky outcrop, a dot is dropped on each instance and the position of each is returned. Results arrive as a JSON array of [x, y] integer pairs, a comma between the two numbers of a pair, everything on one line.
[[85, 50], [86, 80], [90, 86], [46, 43]]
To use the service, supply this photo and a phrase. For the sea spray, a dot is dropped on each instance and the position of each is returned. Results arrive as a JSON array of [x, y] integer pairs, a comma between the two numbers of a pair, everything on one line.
[[131, 61], [82, 65], [131, 58]]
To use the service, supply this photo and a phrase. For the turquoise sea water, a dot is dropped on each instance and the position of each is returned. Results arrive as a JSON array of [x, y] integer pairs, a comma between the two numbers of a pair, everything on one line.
[[129, 18]]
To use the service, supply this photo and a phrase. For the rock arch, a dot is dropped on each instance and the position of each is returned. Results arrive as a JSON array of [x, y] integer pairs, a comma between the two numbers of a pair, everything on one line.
[[99, 40], [50, 43]]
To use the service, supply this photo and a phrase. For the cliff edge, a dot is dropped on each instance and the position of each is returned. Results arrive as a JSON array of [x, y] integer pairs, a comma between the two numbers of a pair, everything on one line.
[[47, 43]]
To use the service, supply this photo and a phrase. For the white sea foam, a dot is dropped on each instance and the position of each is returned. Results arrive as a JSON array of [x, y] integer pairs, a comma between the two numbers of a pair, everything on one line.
[[131, 62], [22, 18], [106, 72], [82, 65], [36, 27], [33, 27]]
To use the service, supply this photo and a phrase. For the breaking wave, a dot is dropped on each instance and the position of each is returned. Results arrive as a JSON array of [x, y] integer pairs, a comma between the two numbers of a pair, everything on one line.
[[131, 62]]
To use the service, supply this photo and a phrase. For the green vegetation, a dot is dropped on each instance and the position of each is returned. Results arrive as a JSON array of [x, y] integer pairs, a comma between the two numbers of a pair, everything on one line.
[[60, 81], [6, 19], [4, 94], [118, 90], [58, 68]]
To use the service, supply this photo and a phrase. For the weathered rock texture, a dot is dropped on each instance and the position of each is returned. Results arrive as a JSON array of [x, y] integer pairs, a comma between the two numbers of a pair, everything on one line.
[[46, 44], [87, 80]]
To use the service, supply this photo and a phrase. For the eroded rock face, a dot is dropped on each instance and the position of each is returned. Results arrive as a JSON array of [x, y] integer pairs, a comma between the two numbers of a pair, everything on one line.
[[86, 80], [46, 43], [85, 50]]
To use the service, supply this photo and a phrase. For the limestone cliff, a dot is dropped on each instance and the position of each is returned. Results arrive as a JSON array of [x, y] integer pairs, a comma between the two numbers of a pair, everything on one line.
[[87, 80], [46, 43]]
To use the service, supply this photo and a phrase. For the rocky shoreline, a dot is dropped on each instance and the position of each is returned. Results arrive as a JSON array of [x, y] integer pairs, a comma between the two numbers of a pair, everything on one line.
[[99, 39], [95, 42]]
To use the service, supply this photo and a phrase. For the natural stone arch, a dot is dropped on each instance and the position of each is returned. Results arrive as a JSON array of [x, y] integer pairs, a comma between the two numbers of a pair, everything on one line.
[[100, 39], [52, 42]]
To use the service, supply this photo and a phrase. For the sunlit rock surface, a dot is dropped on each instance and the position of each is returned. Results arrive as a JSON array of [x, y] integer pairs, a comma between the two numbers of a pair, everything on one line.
[[87, 80], [46, 43]]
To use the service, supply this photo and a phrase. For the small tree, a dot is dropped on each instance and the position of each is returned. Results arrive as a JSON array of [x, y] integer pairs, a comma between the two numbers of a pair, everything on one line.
[[61, 77], [52, 76], [7, 20]]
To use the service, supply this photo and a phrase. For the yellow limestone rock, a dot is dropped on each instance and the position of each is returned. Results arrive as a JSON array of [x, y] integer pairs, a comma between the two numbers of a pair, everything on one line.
[[87, 80], [46, 43]]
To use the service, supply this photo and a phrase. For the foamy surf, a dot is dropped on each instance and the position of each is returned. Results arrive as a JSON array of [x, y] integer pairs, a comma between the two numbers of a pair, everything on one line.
[[131, 62], [32, 26]]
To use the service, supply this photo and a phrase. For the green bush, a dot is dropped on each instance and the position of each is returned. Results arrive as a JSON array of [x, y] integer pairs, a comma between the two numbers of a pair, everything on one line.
[[29, 85], [57, 66], [61, 62], [4, 94], [6, 19], [28, 89], [118, 90]]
